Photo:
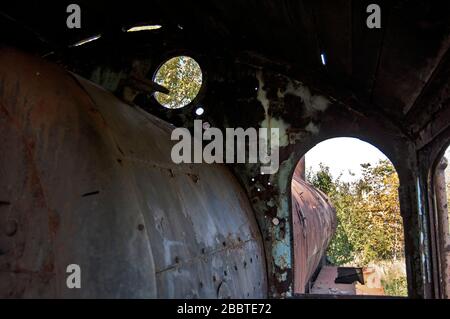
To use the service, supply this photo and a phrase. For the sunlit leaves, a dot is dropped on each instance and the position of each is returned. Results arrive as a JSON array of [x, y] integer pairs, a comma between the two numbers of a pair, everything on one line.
[[183, 77], [369, 221]]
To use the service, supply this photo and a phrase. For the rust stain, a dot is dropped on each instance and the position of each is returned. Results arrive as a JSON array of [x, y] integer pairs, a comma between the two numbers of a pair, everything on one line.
[[38, 190], [53, 222]]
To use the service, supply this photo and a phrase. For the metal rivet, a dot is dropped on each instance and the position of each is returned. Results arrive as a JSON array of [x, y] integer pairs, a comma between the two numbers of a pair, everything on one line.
[[140, 227]]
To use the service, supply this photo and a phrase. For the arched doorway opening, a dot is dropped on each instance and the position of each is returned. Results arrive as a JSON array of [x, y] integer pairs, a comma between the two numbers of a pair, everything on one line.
[[348, 231]]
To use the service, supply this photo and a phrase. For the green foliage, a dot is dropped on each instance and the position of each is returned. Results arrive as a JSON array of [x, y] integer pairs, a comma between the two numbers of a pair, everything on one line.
[[369, 225], [322, 179], [340, 251], [183, 77], [395, 284]]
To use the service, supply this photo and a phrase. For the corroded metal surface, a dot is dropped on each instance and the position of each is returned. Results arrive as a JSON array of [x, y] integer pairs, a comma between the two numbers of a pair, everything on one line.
[[441, 198], [314, 224], [86, 179]]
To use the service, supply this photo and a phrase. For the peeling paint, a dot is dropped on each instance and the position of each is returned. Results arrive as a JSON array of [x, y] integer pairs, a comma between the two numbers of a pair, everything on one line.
[[281, 253], [311, 127], [282, 277], [262, 95], [312, 102], [270, 122]]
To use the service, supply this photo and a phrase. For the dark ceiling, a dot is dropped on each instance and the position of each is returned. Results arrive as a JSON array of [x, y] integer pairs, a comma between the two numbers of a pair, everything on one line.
[[391, 70]]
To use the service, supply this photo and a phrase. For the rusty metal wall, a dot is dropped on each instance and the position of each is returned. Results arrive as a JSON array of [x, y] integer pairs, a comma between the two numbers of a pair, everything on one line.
[[443, 240], [314, 224], [86, 179]]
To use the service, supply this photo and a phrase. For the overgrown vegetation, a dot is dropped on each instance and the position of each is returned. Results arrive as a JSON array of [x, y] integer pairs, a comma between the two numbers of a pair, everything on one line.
[[369, 228], [395, 285]]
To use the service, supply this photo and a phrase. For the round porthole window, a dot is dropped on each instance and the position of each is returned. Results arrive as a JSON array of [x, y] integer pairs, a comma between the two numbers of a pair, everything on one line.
[[182, 76]]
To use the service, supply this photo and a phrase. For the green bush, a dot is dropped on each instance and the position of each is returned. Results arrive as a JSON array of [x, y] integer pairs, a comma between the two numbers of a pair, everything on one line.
[[395, 286]]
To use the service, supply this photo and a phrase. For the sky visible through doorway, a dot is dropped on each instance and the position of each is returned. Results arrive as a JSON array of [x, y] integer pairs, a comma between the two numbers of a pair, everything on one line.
[[343, 155]]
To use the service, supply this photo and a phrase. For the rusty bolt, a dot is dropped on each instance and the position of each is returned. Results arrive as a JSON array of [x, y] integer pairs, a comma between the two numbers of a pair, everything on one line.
[[11, 227]]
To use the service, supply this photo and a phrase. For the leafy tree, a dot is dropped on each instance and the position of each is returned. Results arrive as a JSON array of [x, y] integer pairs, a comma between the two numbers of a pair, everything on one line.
[[378, 190], [322, 179], [183, 77], [369, 225]]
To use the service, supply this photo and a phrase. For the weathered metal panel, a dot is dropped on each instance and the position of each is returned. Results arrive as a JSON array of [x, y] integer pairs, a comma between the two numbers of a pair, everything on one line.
[[441, 199], [86, 179], [314, 224]]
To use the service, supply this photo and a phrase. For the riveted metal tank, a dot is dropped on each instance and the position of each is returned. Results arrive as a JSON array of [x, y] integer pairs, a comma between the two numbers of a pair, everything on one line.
[[86, 179], [314, 224]]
